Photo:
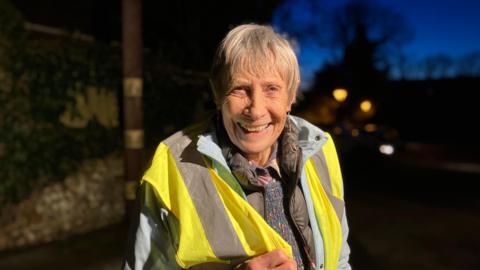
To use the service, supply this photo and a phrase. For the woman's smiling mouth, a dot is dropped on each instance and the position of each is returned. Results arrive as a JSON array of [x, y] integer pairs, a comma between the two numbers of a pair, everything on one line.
[[252, 128]]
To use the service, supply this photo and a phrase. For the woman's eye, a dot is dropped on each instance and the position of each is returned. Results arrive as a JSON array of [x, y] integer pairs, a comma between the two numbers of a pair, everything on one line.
[[273, 88], [239, 91]]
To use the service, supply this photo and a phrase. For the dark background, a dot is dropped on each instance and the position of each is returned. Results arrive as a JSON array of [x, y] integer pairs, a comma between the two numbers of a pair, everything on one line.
[[416, 209]]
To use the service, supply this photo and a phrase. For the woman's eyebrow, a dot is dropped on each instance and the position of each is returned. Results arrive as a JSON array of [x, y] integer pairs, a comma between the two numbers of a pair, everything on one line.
[[272, 82], [240, 82]]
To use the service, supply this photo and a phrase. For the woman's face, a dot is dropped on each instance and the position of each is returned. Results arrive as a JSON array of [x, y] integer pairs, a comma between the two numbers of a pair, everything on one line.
[[254, 113]]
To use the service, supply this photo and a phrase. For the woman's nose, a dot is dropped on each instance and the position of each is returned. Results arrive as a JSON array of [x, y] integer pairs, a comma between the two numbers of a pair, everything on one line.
[[257, 107]]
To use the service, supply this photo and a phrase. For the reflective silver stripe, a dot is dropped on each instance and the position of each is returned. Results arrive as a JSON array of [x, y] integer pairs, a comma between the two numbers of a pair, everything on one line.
[[322, 171], [337, 204], [216, 223]]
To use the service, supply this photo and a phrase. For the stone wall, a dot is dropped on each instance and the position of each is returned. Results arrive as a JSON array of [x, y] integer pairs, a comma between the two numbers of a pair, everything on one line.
[[88, 199]]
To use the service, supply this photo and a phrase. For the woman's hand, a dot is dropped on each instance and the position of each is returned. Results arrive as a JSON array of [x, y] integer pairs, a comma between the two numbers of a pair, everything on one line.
[[276, 259]]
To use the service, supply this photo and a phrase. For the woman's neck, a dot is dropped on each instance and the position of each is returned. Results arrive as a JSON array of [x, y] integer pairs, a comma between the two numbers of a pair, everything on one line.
[[260, 159]]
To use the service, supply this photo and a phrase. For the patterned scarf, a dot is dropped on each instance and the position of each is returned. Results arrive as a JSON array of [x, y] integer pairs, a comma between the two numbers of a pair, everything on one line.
[[286, 151], [264, 179]]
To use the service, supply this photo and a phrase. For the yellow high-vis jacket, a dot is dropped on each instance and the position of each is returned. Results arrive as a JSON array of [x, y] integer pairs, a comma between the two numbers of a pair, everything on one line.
[[193, 213]]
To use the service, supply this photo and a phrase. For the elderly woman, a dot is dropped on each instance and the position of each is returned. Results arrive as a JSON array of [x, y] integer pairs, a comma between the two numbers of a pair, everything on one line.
[[252, 188]]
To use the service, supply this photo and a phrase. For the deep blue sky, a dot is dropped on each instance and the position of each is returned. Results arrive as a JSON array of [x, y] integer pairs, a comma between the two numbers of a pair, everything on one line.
[[441, 26], [447, 26]]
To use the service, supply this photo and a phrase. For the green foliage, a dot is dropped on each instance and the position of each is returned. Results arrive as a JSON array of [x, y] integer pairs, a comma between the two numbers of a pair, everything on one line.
[[38, 78]]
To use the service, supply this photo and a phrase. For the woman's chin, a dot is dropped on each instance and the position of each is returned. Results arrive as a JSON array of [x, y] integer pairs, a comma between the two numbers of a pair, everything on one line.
[[255, 143]]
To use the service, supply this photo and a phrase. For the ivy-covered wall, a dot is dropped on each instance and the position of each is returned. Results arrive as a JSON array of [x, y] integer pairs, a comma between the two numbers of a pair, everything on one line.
[[61, 103], [46, 85]]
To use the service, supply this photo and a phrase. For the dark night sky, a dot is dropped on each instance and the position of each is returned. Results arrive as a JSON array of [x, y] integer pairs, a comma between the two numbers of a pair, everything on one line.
[[440, 26]]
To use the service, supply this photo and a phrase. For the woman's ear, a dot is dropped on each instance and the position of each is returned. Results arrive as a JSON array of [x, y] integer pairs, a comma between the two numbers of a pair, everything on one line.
[[290, 103], [293, 99]]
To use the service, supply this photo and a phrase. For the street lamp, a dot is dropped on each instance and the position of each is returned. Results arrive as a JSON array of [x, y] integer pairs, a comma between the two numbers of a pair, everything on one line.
[[366, 106], [340, 94]]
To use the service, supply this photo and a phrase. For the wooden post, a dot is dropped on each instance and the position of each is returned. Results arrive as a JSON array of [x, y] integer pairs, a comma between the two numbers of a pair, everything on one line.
[[132, 98]]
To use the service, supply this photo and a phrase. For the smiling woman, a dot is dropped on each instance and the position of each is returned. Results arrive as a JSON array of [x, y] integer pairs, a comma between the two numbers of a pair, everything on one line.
[[254, 113], [252, 188]]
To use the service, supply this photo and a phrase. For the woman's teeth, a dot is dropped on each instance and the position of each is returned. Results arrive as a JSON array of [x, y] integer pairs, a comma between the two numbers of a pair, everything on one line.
[[251, 128]]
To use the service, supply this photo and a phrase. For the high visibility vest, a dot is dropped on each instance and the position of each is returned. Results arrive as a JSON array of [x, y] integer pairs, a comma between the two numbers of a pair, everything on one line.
[[218, 225]]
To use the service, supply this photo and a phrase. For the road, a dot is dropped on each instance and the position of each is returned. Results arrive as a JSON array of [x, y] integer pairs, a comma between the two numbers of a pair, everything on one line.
[[406, 215]]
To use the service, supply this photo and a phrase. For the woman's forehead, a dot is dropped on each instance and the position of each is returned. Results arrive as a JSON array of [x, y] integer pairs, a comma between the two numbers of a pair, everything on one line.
[[257, 69], [248, 75]]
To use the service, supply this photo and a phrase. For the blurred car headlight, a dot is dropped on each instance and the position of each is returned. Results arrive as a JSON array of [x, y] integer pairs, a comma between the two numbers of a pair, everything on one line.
[[386, 149]]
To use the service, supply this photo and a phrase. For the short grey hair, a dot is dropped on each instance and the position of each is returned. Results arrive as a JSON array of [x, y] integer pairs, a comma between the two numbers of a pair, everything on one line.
[[257, 49]]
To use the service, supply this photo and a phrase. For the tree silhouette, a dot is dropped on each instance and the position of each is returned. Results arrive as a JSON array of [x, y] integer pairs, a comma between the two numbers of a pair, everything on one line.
[[366, 36], [366, 39], [469, 65], [384, 28], [437, 66]]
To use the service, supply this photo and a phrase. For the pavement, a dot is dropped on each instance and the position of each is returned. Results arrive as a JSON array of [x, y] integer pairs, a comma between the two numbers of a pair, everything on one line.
[[97, 250]]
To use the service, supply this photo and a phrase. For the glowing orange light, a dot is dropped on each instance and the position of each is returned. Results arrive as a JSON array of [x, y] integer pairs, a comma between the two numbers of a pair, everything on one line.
[[366, 105], [340, 94]]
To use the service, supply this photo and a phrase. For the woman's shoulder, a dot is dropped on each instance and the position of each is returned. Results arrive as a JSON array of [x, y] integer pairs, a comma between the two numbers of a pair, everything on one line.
[[187, 135], [308, 131], [180, 146]]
